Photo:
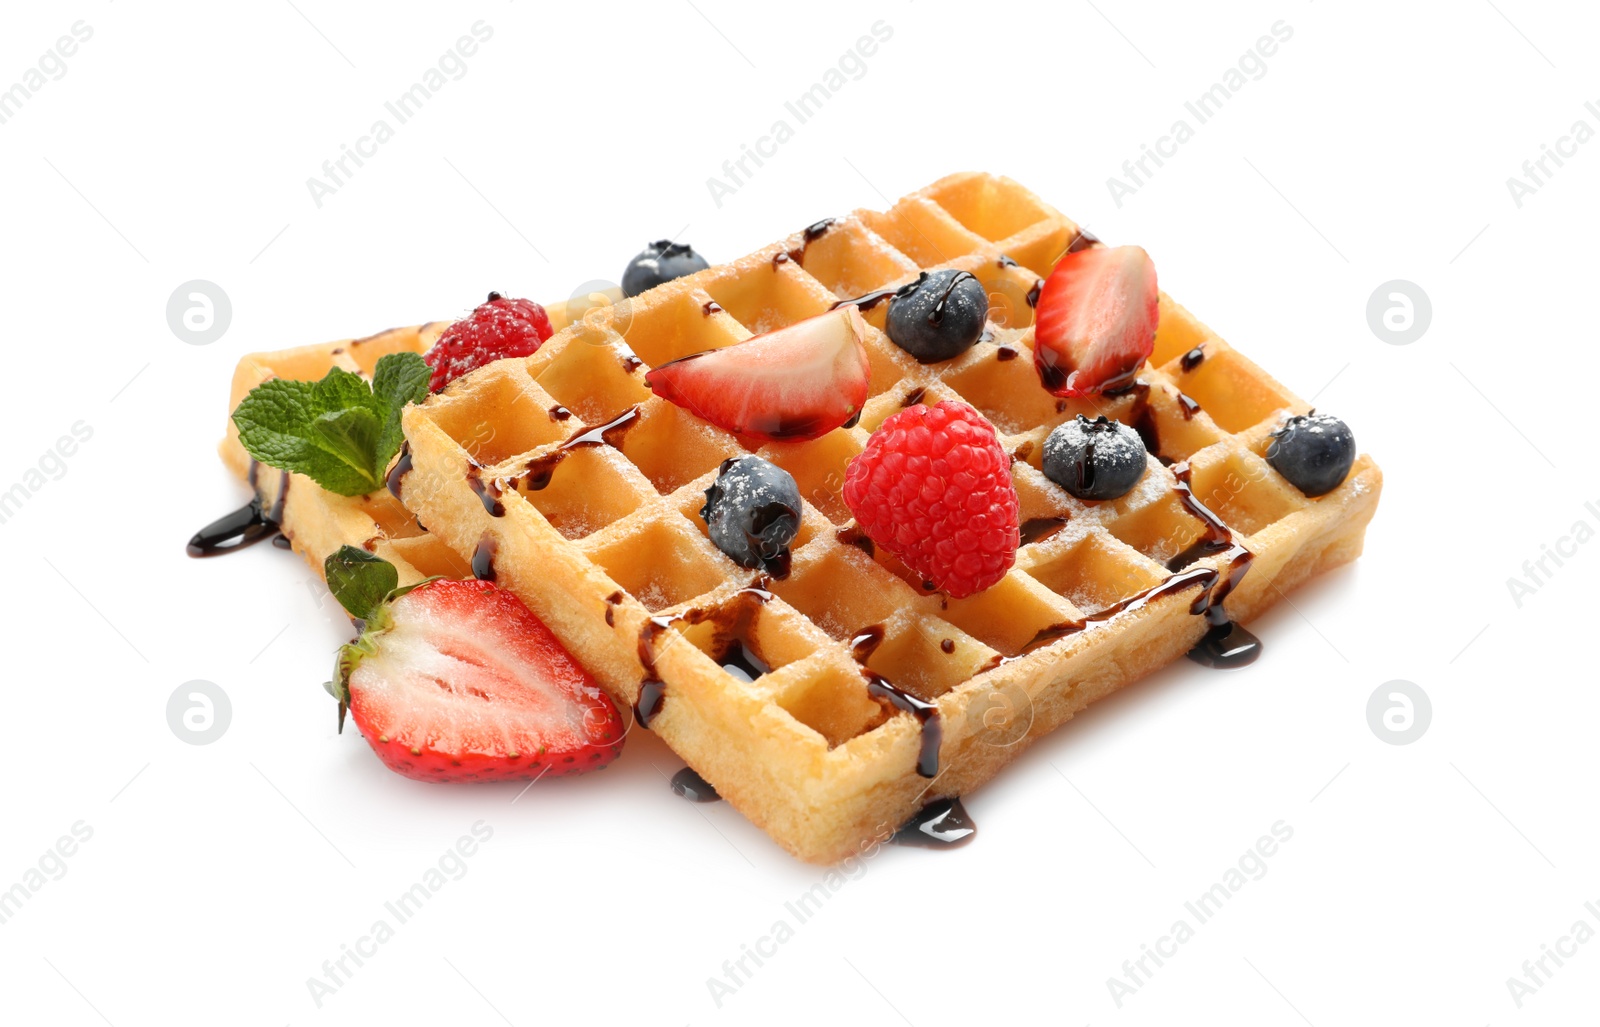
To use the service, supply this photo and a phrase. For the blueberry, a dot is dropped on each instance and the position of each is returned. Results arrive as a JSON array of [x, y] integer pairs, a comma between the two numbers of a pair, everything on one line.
[[660, 261], [938, 316], [1314, 452], [753, 511], [1096, 459]]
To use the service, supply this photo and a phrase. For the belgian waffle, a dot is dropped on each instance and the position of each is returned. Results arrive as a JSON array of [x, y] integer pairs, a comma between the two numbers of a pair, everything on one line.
[[562, 477]]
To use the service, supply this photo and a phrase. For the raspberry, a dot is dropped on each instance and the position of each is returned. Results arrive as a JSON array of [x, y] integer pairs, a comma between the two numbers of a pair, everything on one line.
[[934, 488], [498, 329]]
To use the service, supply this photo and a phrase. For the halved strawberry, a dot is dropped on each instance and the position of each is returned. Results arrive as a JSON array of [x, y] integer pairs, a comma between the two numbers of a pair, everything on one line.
[[459, 681], [799, 382], [1096, 320]]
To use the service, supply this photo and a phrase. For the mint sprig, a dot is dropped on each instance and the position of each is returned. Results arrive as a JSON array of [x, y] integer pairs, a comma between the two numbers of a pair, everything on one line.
[[340, 431]]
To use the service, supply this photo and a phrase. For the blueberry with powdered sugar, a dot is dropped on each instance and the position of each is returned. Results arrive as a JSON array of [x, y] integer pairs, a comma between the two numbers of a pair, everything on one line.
[[1098, 459], [660, 261], [753, 513]]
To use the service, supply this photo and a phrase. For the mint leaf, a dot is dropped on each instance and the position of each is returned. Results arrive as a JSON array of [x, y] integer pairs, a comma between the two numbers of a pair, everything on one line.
[[359, 580], [399, 378], [351, 435], [339, 431], [277, 426]]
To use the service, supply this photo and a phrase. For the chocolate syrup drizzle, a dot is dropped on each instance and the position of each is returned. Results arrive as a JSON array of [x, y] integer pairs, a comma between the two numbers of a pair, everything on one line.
[[1082, 241], [483, 558], [736, 653], [395, 479], [936, 315], [540, 469], [810, 234], [867, 301], [1193, 359], [1225, 643], [862, 646]]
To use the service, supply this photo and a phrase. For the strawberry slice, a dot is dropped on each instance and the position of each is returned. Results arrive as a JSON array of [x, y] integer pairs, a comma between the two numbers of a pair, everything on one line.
[[458, 681], [1096, 320], [799, 382]]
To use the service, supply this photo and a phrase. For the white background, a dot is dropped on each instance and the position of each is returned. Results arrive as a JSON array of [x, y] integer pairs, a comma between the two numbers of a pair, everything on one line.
[[1376, 147]]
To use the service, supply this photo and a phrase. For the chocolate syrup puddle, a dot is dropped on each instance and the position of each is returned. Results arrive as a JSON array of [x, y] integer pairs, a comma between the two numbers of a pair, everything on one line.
[[710, 307], [1193, 358], [690, 785], [483, 558], [540, 469], [1188, 406], [560, 413], [1226, 646], [240, 529], [1006, 353], [1033, 293], [1040, 528], [941, 824], [1005, 261], [914, 397], [245, 526]]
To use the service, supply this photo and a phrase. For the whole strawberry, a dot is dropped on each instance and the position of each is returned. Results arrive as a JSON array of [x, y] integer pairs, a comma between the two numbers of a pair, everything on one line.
[[498, 329], [934, 488], [458, 681]]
